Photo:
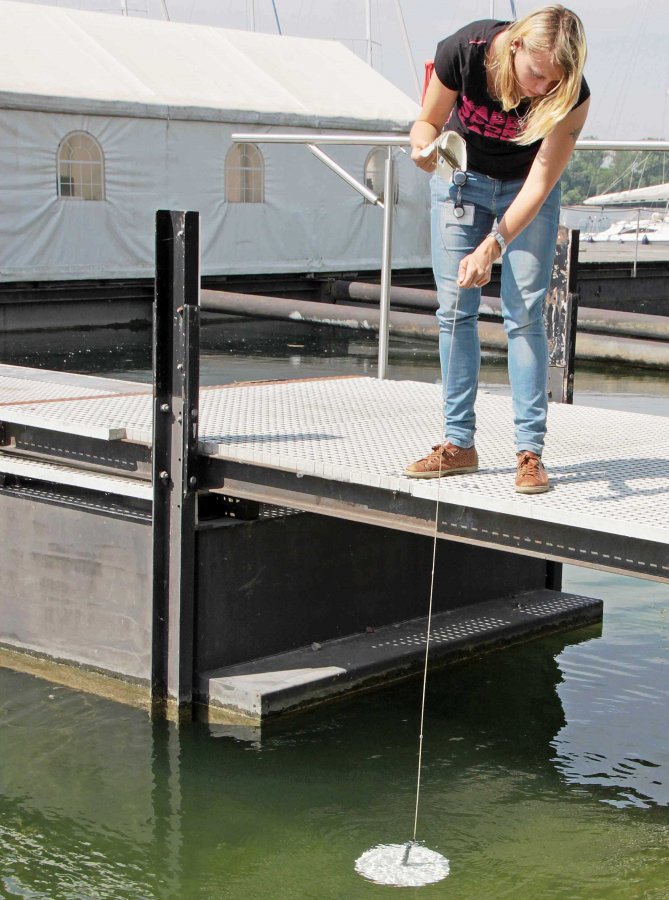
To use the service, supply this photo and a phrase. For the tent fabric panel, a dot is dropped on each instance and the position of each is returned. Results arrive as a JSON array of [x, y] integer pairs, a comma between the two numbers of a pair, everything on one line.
[[310, 220], [74, 61]]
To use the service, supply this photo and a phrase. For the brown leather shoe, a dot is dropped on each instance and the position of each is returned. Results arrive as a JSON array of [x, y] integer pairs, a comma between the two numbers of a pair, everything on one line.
[[445, 459], [531, 477]]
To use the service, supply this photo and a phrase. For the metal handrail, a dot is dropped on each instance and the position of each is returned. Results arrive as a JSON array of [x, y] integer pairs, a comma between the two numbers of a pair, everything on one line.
[[662, 146], [361, 137], [389, 141], [402, 140]]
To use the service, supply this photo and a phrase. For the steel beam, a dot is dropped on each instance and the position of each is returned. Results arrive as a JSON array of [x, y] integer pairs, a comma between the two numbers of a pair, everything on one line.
[[391, 509], [175, 432]]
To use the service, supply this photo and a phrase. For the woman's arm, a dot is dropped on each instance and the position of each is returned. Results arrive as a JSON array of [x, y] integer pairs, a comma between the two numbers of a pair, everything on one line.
[[549, 164], [437, 106]]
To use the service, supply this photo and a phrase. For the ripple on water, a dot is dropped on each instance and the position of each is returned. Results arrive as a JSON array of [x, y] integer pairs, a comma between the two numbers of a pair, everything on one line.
[[615, 694]]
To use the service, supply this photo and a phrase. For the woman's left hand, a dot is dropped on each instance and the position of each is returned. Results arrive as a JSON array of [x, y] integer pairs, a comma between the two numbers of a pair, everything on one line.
[[475, 269]]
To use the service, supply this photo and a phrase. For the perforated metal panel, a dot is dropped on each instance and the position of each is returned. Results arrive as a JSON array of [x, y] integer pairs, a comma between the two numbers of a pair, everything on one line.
[[467, 628], [94, 481], [609, 469], [60, 401]]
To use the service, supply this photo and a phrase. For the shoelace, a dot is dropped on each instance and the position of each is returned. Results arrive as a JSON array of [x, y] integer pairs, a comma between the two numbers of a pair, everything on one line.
[[442, 449], [529, 465]]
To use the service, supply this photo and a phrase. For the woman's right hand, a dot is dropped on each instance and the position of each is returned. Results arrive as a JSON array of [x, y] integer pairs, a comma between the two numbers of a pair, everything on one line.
[[426, 163], [437, 106]]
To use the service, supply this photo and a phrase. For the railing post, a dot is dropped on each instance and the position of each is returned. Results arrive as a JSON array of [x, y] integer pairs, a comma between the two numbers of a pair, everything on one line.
[[636, 243], [175, 431], [560, 316], [386, 262]]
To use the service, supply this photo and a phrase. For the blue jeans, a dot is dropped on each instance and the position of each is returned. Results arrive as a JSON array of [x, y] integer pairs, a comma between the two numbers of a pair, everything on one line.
[[526, 272]]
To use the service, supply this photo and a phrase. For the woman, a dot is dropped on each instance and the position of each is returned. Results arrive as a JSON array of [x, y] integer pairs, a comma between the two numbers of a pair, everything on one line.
[[516, 95]]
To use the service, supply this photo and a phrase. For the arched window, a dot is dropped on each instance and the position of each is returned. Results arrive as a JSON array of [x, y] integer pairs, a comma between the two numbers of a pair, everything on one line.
[[81, 168], [244, 174], [374, 174]]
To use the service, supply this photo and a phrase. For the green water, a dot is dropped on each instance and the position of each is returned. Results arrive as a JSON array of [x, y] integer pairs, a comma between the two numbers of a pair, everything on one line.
[[546, 767]]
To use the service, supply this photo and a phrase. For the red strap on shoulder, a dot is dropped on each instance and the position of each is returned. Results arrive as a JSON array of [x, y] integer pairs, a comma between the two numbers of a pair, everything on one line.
[[429, 69]]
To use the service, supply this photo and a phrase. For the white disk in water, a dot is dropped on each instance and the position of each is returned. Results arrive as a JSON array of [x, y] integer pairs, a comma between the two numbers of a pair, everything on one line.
[[385, 865]]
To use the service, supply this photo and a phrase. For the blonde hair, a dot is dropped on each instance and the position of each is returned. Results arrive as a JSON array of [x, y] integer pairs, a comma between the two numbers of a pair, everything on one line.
[[554, 30]]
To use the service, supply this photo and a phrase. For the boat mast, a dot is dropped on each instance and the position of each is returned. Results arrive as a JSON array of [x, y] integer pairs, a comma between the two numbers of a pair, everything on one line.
[[368, 17], [407, 45], [276, 16]]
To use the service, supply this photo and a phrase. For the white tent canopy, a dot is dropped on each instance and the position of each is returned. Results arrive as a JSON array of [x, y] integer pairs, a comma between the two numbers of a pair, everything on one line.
[[81, 62], [657, 193], [158, 103]]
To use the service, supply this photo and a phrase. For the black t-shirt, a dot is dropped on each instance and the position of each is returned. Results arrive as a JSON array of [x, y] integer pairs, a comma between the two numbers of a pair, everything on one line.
[[459, 64]]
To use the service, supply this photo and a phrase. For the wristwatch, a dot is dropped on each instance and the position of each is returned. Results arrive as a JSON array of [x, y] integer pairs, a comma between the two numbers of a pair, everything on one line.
[[500, 240]]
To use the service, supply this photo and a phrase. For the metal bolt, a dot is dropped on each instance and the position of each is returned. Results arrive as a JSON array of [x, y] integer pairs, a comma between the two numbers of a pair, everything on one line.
[[192, 481], [164, 476], [193, 414], [164, 407]]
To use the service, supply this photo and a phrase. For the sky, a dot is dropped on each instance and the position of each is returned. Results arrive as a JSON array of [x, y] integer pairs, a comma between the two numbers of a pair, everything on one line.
[[628, 41]]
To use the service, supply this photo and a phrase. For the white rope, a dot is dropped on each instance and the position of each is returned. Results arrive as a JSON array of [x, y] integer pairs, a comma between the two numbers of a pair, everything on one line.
[[429, 612]]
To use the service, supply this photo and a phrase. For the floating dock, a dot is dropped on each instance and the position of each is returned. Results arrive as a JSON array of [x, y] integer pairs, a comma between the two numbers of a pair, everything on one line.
[[76, 470], [247, 549]]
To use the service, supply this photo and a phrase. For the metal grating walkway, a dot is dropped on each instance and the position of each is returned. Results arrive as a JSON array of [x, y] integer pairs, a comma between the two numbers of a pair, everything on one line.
[[339, 446]]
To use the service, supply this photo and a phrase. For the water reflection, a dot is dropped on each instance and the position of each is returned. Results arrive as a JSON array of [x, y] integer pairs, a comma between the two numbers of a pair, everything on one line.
[[615, 693]]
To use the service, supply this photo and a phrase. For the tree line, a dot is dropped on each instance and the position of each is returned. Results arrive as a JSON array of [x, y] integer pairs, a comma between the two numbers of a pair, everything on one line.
[[592, 172]]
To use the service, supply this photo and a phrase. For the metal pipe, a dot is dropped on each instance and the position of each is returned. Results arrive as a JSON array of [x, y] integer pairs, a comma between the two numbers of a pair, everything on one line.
[[365, 138], [368, 23], [598, 321], [622, 145], [343, 174], [636, 243], [416, 298], [402, 140], [386, 262], [415, 325]]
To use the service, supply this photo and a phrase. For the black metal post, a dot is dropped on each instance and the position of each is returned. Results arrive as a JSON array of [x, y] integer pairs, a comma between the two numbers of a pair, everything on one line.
[[560, 315], [174, 462]]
